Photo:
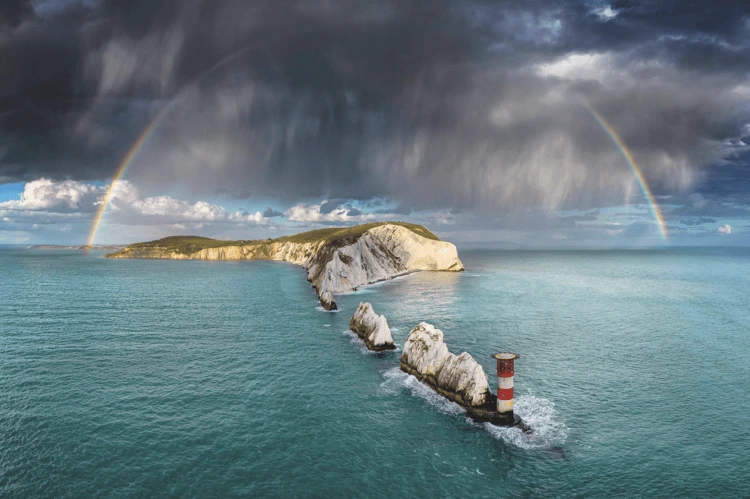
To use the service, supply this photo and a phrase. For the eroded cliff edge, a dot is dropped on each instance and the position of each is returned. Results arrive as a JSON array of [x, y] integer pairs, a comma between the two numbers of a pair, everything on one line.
[[336, 260]]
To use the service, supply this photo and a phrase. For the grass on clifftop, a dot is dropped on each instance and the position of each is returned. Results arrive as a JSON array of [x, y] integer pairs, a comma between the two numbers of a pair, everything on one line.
[[334, 236], [187, 244]]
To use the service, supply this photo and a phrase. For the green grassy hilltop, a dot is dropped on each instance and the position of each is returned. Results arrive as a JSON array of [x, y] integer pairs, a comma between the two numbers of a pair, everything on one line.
[[334, 237]]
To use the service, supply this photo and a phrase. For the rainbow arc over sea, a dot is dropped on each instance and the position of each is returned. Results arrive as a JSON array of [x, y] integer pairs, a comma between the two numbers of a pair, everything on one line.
[[637, 172], [132, 152], [118, 174]]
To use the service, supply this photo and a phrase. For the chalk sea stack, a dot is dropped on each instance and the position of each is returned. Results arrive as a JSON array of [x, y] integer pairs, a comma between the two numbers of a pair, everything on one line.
[[337, 260], [457, 377], [372, 328]]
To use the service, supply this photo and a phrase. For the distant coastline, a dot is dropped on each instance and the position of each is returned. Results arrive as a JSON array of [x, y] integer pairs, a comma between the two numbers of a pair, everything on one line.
[[337, 260], [106, 247]]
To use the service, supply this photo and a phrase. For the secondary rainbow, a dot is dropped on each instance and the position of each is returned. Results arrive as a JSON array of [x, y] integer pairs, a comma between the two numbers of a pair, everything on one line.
[[653, 205]]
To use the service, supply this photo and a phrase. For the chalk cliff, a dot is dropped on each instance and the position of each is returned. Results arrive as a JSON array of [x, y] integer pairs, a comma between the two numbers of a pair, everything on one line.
[[457, 377], [336, 260], [372, 328]]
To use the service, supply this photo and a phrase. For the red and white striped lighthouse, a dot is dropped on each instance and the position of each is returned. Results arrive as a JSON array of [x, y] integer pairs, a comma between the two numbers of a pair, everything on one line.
[[505, 382]]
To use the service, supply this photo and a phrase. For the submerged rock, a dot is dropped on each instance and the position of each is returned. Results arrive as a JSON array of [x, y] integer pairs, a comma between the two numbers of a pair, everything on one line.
[[327, 301], [372, 328], [457, 377]]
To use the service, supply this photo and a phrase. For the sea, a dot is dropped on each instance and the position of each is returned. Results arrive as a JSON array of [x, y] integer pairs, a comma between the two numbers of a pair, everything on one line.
[[148, 378]]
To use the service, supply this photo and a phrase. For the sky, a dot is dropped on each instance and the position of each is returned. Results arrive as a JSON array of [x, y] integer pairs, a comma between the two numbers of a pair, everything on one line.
[[246, 119]]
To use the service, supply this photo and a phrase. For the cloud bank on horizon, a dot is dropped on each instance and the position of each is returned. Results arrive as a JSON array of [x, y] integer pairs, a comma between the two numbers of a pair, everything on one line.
[[463, 113]]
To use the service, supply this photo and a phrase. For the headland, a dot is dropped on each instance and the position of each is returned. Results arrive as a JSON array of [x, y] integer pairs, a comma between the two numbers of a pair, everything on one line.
[[337, 260]]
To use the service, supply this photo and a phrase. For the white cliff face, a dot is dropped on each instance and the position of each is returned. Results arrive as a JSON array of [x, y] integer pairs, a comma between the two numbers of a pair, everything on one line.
[[424, 350], [288, 252], [372, 328], [416, 252], [463, 375], [383, 253], [458, 377]]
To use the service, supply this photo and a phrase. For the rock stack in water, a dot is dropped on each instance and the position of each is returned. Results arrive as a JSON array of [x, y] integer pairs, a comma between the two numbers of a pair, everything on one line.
[[426, 356], [372, 328], [457, 377]]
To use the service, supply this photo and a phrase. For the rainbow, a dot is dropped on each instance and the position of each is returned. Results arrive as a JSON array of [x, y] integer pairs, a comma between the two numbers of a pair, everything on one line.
[[142, 138], [654, 206], [120, 170]]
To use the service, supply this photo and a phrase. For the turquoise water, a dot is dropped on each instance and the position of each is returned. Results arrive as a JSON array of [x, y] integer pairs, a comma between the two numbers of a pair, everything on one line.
[[128, 378]]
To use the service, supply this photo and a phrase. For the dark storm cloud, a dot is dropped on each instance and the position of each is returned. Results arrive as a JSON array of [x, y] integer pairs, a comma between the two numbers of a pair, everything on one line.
[[330, 205], [399, 210], [13, 11], [431, 104], [234, 194], [570, 220], [270, 213]]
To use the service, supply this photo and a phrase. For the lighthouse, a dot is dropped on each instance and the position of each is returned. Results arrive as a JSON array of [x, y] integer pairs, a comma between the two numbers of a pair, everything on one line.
[[505, 362]]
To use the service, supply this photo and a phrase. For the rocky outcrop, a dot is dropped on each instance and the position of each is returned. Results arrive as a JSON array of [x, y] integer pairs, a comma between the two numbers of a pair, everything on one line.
[[457, 377], [333, 265], [372, 328]]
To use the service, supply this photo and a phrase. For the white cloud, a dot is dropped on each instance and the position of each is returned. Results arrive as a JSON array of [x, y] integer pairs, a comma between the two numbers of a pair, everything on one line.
[[129, 208], [311, 213], [725, 229], [591, 66], [60, 197], [604, 67], [48, 201], [443, 217], [606, 13]]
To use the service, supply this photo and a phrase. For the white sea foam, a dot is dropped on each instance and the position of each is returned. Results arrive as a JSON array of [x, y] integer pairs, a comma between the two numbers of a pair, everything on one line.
[[320, 308], [359, 342], [356, 340], [539, 414], [396, 380]]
